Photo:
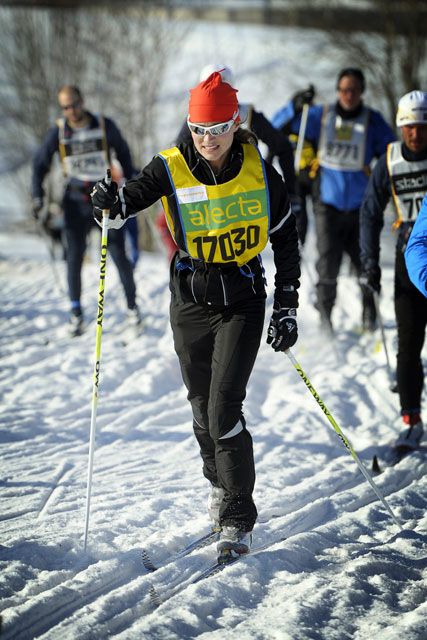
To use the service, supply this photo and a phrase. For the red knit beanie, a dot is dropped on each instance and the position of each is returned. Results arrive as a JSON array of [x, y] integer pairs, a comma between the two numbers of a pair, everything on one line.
[[212, 101]]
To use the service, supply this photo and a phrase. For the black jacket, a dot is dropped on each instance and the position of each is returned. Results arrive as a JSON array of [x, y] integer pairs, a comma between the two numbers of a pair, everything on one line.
[[377, 195], [224, 284]]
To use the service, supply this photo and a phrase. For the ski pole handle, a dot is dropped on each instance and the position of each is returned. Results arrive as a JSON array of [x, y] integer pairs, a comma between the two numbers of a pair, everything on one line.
[[106, 212]]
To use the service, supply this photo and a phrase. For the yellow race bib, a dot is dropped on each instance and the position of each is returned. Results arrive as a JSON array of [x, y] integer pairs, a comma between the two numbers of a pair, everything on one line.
[[220, 223]]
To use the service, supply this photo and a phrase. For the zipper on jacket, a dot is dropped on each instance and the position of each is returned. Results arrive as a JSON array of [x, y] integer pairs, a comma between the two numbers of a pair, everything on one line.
[[210, 169], [192, 287], [224, 291]]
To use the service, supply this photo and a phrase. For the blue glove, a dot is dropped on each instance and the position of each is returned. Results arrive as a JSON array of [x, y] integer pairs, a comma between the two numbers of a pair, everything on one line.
[[282, 330]]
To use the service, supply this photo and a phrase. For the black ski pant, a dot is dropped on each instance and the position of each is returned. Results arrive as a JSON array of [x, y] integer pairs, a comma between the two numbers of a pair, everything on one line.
[[78, 221], [336, 232], [217, 348], [411, 316]]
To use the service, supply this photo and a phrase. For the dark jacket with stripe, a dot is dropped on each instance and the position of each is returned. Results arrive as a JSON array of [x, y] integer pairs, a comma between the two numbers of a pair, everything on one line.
[[377, 195], [222, 284], [50, 145]]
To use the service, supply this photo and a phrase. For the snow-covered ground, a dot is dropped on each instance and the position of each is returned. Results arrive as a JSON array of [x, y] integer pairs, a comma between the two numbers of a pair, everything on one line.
[[335, 566], [331, 563]]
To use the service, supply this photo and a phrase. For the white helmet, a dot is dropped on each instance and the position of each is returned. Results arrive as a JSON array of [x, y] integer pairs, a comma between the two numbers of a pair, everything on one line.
[[412, 109], [226, 72]]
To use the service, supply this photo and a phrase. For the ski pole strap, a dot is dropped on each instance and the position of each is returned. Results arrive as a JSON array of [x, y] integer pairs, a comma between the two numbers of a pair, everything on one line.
[[341, 435]]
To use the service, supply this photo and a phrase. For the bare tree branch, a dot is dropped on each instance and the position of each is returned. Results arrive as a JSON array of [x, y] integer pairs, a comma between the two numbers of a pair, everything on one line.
[[117, 59]]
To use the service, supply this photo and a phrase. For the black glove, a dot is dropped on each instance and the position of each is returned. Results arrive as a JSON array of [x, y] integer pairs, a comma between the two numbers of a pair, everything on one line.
[[36, 207], [303, 97], [105, 196], [282, 330], [370, 280]]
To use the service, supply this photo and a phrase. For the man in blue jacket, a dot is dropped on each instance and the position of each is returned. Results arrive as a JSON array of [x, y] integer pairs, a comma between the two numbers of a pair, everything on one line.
[[348, 136], [401, 174], [84, 142], [416, 251]]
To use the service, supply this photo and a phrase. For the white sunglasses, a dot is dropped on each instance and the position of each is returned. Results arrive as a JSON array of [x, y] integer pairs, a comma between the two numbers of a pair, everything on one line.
[[215, 129]]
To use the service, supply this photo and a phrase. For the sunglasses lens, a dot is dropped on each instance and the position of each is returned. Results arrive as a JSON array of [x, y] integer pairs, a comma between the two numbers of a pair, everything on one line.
[[220, 129], [215, 130], [67, 107]]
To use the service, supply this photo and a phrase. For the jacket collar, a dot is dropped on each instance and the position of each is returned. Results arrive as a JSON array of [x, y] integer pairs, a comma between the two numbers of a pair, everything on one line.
[[349, 115], [201, 168], [410, 156], [91, 124]]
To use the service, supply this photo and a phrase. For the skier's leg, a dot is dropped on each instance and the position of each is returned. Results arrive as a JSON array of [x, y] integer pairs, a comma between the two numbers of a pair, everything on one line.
[[76, 227], [193, 341], [116, 246], [238, 334], [330, 249], [411, 318]]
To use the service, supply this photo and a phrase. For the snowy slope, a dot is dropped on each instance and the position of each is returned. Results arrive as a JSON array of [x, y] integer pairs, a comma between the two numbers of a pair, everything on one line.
[[334, 566], [337, 566]]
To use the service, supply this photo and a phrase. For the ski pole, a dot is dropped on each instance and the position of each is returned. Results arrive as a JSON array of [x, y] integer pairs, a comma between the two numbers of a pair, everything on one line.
[[341, 435], [381, 323], [301, 136], [45, 237], [97, 365]]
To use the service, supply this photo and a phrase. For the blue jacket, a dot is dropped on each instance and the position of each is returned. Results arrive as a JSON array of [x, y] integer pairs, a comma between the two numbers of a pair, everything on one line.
[[50, 145], [343, 190], [416, 251]]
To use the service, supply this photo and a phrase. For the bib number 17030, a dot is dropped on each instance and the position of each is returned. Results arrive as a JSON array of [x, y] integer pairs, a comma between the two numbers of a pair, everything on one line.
[[230, 244]]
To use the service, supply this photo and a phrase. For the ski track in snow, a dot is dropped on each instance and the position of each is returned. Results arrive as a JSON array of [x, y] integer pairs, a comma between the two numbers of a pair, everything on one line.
[[335, 565]]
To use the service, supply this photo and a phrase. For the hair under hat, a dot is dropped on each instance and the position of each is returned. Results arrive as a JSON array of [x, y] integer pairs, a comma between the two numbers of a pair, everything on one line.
[[213, 100]]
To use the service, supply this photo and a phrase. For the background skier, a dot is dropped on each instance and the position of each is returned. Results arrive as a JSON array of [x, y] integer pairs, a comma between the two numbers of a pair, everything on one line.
[[401, 174]]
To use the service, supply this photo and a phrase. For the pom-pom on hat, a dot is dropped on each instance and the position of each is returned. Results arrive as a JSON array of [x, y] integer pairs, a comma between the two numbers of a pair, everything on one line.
[[226, 72], [213, 100]]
